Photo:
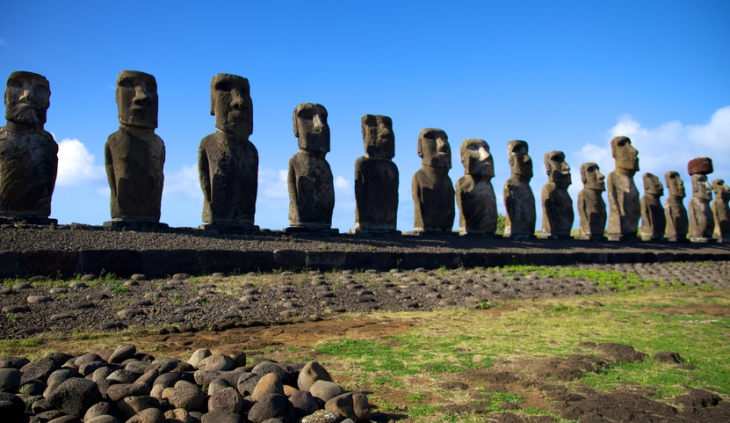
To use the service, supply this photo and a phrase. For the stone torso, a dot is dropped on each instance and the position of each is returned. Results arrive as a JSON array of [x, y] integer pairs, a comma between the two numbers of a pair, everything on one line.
[[520, 204], [313, 198], [28, 165], [625, 208], [721, 214], [136, 177], [477, 205], [229, 176], [677, 219], [653, 220], [701, 221], [376, 194], [592, 212], [433, 198], [557, 210]]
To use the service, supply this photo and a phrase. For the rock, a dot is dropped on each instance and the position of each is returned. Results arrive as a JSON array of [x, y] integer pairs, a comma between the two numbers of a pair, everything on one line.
[[221, 417], [9, 379], [218, 384], [129, 406], [270, 367], [167, 364], [322, 416], [199, 355], [87, 358], [149, 415], [135, 366], [16, 309], [86, 369], [49, 415], [700, 166], [721, 210], [56, 291], [668, 357], [122, 352], [623, 197], [178, 415], [653, 219], [325, 390], [121, 390], [270, 383], [39, 369], [102, 419], [60, 316], [65, 419], [75, 396], [216, 362], [56, 378], [138, 277], [701, 220], [11, 407], [148, 378], [88, 277], [304, 403], [431, 187], [123, 376], [101, 409], [557, 206], [352, 405], [20, 286], [32, 387], [310, 373], [238, 356], [14, 362], [226, 400], [130, 312], [187, 396], [77, 285], [38, 299], [167, 379], [272, 406]]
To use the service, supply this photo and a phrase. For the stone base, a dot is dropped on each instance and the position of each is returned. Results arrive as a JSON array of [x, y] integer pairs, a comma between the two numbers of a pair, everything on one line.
[[653, 238], [131, 225], [229, 227], [677, 239], [519, 236], [724, 239], [555, 237], [28, 220], [306, 230], [430, 233], [591, 237], [622, 238], [702, 240], [479, 235], [374, 232]]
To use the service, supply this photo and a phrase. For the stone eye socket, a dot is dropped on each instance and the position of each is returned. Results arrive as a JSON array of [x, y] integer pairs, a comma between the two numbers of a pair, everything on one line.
[[223, 86], [14, 83], [127, 83]]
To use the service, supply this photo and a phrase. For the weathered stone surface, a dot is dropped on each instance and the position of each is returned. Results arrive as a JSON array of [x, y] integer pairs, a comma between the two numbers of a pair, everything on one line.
[[199, 355], [519, 200], [325, 390], [721, 210], [304, 403], [9, 379], [310, 373], [674, 210], [222, 417], [129, 406], [623, 197], [28, 154], [557, 206], [227, 400], [591, 207], [39, 369], [432, 189], [474, 191], [228, 162], [351, 405], [102, 419], [14, 362], [701, 220], [376, 178], [122, 390], [134, 156], [267, 367], [700, 165], [268, 384], [216, 363], [653, 218], [101, 409], [247, 383], [178, 415], [74, 396], [149, 415], [56, 378], [272, 406], [218, 384], [310, 183], [187, 396], [322, 416], [238, 357]]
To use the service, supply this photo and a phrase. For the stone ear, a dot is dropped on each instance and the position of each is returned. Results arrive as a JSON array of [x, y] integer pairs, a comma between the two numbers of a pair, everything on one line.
[[420, 151]]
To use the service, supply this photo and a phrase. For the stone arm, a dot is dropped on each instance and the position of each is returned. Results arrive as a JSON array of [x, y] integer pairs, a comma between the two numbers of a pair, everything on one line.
[[582, 212], [162, 166], [109, 165], [417, 200], [615, 199], [291, 182], [508, 203], [646, 216], [52, 168], [694, 221], [548, 207], [204, 172]]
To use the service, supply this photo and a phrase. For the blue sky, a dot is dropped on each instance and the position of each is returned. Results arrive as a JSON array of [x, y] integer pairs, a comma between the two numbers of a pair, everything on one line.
[[561, 75]]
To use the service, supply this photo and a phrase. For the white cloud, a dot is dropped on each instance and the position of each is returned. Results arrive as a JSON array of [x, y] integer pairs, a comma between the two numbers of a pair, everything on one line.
[[342, 183], [272, 184], [76, 165], [183, 182]]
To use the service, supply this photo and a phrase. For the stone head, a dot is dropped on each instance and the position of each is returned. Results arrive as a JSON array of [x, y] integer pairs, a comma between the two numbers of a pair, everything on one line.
[[476, 158], [519, 161], [434, 149], [231, 104], [721, 190], [311, 128], [377, 134], [701, 189], [652, 185], [27, 98], [592, 177], [625, 155], [675, 184], [137, 99], [557, 169]]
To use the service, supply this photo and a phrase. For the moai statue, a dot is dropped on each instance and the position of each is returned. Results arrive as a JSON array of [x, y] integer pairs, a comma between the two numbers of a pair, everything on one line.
[[721, 211], [518, 198], [376, 178], [228, 162], [701, 221], [674, 210], [474, 191], [623, 197], [432, 189], [591, 207], [28, 154], [134, 155], [653, 221], [311, 187], [557, 206]]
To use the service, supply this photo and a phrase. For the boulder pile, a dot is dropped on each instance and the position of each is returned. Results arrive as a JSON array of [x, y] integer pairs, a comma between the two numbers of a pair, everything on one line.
[[121, 385]]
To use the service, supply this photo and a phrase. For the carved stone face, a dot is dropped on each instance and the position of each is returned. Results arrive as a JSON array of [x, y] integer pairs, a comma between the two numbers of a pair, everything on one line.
[[27, 98], [434, 149], [721, 190], [592, 177], [311, 128], [377, 134], [675, 184], [519, 161], [652, 185], [625, 155], [231, 104], [137, 99], [557, 169], [701, 188], [476, 158]]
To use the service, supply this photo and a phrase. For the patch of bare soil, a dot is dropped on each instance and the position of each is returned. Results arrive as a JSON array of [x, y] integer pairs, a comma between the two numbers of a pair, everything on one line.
[[701, 309]]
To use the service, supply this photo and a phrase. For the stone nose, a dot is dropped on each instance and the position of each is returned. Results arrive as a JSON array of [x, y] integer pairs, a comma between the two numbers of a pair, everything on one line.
[[27, 92], [141, 96], [484, 154], [442, 145]]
